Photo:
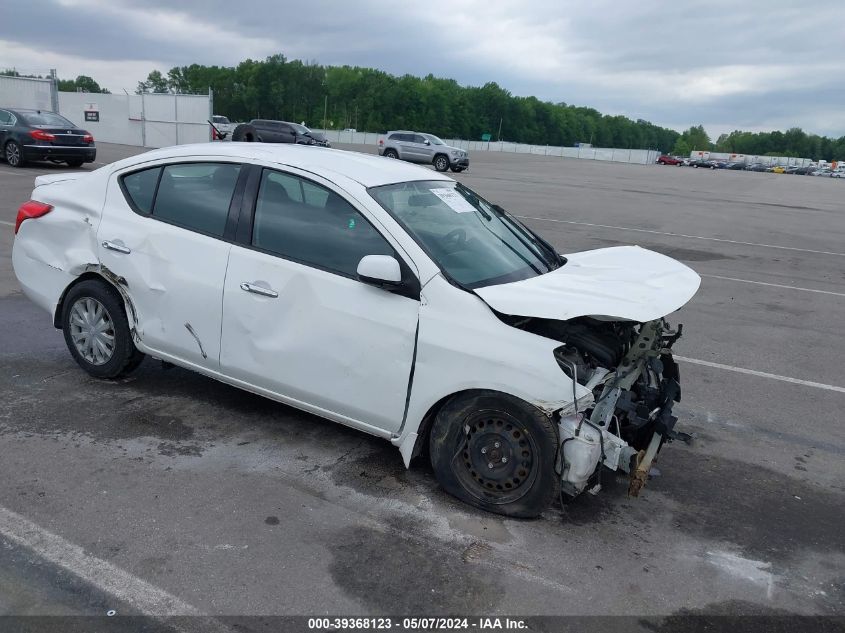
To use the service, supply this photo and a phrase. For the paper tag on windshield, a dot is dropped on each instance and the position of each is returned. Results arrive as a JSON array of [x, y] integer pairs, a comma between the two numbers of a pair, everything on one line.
[[454, 200]]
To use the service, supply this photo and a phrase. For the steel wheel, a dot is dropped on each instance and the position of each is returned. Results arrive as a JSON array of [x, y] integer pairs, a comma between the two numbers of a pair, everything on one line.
[[92, 331], [498, 462], [13, 154]]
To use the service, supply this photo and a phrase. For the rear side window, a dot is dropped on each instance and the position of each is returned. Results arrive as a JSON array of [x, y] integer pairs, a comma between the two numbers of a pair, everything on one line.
[[303, 221], [195, 196], [5, 118], [140, 187]]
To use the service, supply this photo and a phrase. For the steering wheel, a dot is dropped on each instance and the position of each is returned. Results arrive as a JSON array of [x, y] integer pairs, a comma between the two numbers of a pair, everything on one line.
[[454, 240]]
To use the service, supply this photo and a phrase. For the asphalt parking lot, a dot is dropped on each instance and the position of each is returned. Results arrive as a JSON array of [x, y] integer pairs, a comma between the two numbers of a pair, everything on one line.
[[216, 501]]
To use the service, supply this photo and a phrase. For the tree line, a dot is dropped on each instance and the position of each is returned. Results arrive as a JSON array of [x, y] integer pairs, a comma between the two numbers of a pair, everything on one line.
[[373, 100], [794, 142], [83, 83], [341, 97]]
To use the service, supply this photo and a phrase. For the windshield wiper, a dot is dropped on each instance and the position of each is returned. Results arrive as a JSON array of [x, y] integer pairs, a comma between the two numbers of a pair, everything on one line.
[[544, 250]]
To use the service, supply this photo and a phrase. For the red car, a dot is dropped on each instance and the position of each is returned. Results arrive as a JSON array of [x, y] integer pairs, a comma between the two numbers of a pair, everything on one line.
[[669, 160]]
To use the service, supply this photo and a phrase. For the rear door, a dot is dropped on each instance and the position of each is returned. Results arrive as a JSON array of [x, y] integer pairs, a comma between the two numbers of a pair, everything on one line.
[[296, 320], [165, 232]]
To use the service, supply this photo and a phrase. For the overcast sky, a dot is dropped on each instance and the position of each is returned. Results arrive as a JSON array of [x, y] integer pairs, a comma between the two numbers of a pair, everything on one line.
[[726, 64]]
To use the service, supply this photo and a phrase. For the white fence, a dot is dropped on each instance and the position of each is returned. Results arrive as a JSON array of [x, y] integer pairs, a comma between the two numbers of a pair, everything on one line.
[[640, 156], [147, 120], [24, 92]]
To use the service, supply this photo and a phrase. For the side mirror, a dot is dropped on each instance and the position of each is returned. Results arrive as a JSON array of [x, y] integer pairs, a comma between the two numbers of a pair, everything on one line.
[[379, 270], [427, 142]]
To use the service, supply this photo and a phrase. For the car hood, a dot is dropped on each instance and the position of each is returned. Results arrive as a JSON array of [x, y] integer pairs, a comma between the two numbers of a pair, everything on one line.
[[454, 149], [317, 136], [622, 282]]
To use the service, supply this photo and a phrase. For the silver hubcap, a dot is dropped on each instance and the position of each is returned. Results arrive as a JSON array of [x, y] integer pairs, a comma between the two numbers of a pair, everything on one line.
[[92, 331], [13, 154]]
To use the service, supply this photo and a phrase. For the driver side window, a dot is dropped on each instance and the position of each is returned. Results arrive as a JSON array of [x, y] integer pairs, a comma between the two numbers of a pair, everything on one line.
[[300, 220]]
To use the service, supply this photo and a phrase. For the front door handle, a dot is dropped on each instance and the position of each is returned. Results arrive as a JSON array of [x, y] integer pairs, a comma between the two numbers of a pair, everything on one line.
[[115, 246], [259, 290]]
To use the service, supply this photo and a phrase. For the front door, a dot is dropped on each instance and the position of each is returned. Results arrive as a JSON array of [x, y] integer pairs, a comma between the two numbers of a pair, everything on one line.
[[163, 235], [298, 323]]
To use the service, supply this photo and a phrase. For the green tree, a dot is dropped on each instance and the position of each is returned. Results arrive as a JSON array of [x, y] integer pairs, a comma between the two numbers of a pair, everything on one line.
[[155, 82]]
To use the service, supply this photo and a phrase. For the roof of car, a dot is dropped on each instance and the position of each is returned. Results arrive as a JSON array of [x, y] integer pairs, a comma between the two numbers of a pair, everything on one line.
[[369, 170]]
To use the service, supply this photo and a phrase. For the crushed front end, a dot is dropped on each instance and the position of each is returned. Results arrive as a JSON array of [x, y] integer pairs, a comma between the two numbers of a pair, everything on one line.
[[633, 383]]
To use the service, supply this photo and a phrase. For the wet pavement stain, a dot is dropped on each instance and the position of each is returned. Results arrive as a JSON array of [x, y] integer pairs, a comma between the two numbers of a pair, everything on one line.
[[421, 575], [730, 500], [738, 615]]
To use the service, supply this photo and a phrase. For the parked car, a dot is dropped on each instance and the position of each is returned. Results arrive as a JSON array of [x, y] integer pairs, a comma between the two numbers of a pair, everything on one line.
[[776, 169], [700, 162], [33, 135], [837, 173], [756, 167], [669, 160], [374, 293], [268, 131], [735, 166], [419, 147], [824, 172]]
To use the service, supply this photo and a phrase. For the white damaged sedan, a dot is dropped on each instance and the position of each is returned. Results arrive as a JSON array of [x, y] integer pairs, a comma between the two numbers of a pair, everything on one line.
[[374, 293]]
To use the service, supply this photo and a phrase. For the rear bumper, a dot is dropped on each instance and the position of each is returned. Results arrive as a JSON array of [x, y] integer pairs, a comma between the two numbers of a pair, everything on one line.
[[57, 152]]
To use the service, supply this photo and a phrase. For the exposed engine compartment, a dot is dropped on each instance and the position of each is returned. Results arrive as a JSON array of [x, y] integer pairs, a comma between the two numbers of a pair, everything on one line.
[[634, 381]]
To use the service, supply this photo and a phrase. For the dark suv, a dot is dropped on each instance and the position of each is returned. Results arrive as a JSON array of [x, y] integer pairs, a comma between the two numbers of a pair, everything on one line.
[[269, 131], [27, 135]]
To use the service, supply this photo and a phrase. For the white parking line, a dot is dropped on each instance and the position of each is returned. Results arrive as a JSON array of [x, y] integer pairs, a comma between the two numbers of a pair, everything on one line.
[[7, 223], [123, 586], [765, 283], [761, 374], [692, 237]]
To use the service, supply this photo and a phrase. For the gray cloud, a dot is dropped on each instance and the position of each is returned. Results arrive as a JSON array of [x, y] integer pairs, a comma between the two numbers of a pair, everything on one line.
[[726, 64]]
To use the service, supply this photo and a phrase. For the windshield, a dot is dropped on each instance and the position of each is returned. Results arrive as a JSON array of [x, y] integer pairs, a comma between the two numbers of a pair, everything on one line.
[[300, 129], [46, 118], [434, 140], [475, 243]]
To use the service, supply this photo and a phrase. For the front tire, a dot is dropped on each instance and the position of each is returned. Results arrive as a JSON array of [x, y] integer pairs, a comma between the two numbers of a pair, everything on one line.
[[77, 162], [97, 331], [441, 162], [495, 452], [457, 170], [14, 154]]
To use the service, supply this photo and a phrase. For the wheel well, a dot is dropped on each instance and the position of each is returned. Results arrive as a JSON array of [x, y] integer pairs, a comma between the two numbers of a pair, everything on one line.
[[438, 154], [57, 317], [424, 429]]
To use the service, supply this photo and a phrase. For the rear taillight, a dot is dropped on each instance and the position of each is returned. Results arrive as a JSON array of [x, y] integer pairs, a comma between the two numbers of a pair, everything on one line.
[[381, 141], [87, 138], [41, 135], [31, 210]]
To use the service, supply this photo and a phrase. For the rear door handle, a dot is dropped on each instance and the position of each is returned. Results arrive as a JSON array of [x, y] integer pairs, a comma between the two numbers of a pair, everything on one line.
[[259, 290], [117, 246]]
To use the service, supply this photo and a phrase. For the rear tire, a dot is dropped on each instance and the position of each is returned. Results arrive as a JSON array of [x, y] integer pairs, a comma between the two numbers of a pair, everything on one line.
[[13, 153], [245, 133], [97, 331], [390, 153], [495, 452], [75, 163], [441, 162]]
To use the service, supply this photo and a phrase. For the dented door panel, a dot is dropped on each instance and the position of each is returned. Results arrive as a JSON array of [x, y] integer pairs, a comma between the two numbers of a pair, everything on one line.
[[327, 340], [174, 278]]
